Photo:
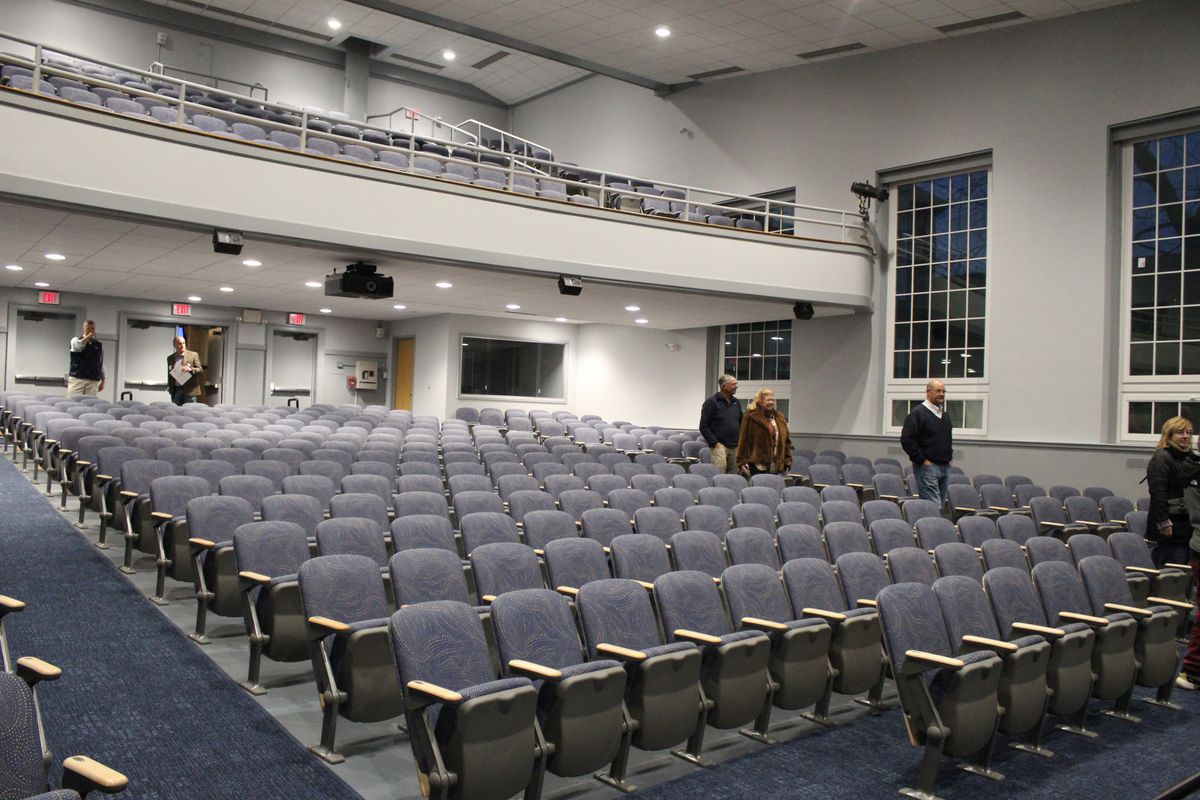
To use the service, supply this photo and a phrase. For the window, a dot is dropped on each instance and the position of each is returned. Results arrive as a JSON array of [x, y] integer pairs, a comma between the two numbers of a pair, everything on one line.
[[967, 415], [759, 355], [1164, 264], [1160, 239], [508, 368], [940, 299]]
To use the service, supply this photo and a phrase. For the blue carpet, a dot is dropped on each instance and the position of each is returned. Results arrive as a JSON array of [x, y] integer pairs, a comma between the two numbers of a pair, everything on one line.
[[136, 693]]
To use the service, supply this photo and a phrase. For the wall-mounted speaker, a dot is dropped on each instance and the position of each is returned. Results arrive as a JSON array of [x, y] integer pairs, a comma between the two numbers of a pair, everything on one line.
[[803, 310]]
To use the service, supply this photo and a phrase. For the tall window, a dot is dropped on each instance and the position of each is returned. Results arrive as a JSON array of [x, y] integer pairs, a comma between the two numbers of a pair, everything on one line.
[[941, 277], [759, 355], [1161, 244], [937, 320]]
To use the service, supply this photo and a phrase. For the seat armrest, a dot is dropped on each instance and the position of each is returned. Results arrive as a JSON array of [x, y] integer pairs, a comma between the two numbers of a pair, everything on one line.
[[1178, 566], [203, 544], [1144, 570], [867, 602], [835, 616], [529, 669], [488, 598], [428, 693], [1163, 601], [695, 636], [998, 508], [1029, 627], [1124, 609], [989, 644], [82, 774], [620, 653], [10, 604], [330, 625], [34, 670], [254, 577], [104, 477], [933, 659], [129, 495], [649, 587], [1053, 524], [1086, 522], [79, 462], [1088, 618], [764, 625], [965, 508], [569, 591], [161, 516]]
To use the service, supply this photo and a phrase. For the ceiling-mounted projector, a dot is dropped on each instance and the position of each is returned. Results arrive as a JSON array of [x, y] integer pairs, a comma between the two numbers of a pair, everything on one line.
[[359, 280]]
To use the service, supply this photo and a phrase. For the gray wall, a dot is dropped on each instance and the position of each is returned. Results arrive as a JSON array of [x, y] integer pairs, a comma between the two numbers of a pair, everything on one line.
[[1040, 97]]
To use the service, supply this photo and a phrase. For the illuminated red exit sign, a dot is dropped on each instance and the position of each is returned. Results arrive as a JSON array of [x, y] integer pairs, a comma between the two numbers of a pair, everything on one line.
[[295, 319], [49, 298], [181, 309]]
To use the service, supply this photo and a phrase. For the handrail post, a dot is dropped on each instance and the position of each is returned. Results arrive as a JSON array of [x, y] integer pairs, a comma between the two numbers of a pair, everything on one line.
[[303, 129], [37, 68]]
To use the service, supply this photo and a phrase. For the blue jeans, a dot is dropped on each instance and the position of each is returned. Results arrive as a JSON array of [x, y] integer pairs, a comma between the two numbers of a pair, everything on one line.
[[1172, 551], [933, 482]]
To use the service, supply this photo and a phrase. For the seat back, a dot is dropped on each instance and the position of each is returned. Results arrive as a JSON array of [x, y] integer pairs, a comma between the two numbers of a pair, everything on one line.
[[874, 510], [976, 530], [504, 566], [798, 540], [755, 590], [301, 509], [965, 608], [1017, 528], [798, 513], [713, 519], [346, 588], [957, 558], [1012, 598], [1083, 545], [25, 769], [911, 564], [1047, 548], [748, 545], [639, 557], [846, 537], [575, 562], [932, 531], [274, 549], [812, 583], [889, 534], [487, 527], [536, 625], [862, 576], [698, 550], [545, 526], [690, 600], [426, 574], [618, 612], [1004, 553]]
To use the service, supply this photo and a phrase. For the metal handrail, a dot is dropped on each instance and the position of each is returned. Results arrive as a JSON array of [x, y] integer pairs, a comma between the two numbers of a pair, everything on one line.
[[160, 68], [504, 135], [436, 122], [778, 218]]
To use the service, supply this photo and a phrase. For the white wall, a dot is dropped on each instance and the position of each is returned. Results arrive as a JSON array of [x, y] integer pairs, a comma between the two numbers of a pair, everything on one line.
[[1039, 96]]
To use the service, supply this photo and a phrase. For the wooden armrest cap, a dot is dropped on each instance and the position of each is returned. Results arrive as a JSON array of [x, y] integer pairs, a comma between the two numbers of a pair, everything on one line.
[[865, 601], [570, 591], [1166, 601], [986, 642], [522, 665], [488, 598], [759, 622], [162, 516], [43, 669], [1089, 618], [130, 495], [645, 585], [696, 636], [624, 652], [1141, 612], [820, 612], [433, 690], [205, 543], [257, 577], [331, 624], [104, 477], [1032, 628], [1177, 566], [106, 778], [934, 658], [1144, 570], [11, 603]]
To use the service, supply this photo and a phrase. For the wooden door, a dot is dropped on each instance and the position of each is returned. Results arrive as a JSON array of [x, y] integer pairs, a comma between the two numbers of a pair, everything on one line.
[[402, 396]]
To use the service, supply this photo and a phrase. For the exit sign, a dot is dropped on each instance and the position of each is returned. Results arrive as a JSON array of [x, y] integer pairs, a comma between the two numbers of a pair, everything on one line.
[[49, 298], [295, 319], [412, 113], [181, 309]]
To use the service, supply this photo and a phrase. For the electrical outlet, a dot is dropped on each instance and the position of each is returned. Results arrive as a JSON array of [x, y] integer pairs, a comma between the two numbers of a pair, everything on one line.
[[161, 39]]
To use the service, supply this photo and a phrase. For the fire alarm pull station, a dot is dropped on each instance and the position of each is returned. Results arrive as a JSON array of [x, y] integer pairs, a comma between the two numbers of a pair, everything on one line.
[[351, 383]]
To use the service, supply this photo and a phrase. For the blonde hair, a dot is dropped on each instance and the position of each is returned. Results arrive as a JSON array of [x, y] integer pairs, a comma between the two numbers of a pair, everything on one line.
[[1171, 427], [758, 398]]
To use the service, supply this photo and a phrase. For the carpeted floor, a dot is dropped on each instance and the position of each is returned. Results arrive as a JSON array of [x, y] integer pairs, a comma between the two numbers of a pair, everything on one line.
[[135, 693]]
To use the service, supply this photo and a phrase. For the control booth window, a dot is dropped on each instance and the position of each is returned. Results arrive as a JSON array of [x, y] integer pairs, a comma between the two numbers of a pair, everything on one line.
[[512, 368]]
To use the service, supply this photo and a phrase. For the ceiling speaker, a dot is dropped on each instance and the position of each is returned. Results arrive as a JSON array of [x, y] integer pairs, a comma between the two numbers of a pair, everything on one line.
[[803, 310]]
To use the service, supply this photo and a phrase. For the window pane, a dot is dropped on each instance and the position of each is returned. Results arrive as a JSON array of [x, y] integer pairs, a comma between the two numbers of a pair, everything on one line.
[[512, 368], [972, 414], [899, 412], [1162, 413], [1141, 418]]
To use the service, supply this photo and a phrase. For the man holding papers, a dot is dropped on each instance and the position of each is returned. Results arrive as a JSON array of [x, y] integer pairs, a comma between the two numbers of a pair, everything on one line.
[[183, 374]]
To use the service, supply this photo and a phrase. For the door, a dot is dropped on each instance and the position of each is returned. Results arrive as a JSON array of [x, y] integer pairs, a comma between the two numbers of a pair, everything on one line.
[[39, 351], [147, 343], [402, 396], [293, 360]]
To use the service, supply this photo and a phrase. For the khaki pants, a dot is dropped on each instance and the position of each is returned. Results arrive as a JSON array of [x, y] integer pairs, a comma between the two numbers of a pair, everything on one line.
[[82, 386], [724, 459]]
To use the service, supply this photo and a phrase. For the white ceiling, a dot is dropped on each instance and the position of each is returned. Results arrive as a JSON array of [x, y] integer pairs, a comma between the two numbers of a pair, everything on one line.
[[707, 35], [132, 258]]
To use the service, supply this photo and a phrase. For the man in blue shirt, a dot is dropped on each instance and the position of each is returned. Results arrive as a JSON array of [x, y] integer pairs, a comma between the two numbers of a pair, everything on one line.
[[720, 422], [926, 438]]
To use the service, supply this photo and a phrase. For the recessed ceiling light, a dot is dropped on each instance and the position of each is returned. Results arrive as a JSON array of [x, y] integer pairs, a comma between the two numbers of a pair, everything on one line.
[[194, 298], [313, 284], [729, 343], [41, 284], [641, 321], [326, 310], [444, 285], [560, 319], [55, 257], [512, 307], [334, 24], [252, 262], [633, 308], [226, 288], [399, 307], [776, 338], [13, 267], [449, 55], [662, 31], [756, 355]]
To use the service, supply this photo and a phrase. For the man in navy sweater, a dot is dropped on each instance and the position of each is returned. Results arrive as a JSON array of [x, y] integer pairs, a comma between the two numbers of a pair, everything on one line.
[[927, 440]]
